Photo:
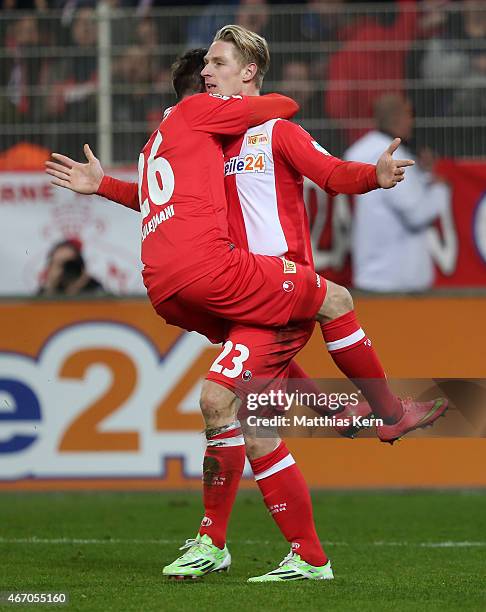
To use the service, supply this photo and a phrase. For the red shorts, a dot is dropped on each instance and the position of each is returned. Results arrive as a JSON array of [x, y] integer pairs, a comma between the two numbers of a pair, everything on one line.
[[256, 359], [252, 290], [253, 357], [214, 328]]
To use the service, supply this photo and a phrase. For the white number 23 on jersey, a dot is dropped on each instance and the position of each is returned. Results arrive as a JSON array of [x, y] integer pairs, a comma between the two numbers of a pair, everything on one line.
[[237, 360]]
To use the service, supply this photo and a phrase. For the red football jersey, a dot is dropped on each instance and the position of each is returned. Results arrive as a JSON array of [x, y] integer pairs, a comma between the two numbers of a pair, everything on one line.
[[181, 187], [263, 177]]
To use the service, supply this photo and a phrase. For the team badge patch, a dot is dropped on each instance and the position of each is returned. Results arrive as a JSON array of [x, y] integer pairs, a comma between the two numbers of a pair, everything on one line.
[[289, 267], [288, 286], [256, 139]]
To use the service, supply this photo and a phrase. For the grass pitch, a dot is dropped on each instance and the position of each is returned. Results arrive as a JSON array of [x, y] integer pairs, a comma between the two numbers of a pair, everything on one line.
[[414, 551]]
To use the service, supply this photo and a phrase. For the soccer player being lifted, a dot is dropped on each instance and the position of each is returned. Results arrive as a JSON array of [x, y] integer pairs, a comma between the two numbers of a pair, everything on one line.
[[230, 284]]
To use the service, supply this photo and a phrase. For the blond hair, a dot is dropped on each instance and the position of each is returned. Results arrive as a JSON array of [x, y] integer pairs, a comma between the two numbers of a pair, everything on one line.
[[251, 47]]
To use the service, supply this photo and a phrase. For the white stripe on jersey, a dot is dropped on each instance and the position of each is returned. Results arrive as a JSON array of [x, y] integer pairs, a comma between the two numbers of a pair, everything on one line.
[[258, 195]]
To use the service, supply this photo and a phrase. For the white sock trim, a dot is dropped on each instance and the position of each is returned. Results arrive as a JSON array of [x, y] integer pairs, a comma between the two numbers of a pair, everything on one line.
[[279, 466], [235, 441], [347, 341]]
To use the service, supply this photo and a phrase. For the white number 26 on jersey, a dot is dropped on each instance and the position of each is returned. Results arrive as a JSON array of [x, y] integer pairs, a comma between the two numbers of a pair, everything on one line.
[[238, 360], [161, 167]]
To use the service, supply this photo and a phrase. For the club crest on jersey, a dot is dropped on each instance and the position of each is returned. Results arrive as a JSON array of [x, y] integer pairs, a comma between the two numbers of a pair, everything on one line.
[[256, 139], [248, 163], [288, 286], [289, 267]]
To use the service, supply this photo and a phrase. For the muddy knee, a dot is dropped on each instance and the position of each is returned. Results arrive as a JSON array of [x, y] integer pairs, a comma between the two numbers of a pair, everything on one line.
[[218, 405]]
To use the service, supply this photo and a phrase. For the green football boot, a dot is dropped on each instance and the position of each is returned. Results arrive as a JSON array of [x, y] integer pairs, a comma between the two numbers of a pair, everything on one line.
[[201, 558], [295, 568]]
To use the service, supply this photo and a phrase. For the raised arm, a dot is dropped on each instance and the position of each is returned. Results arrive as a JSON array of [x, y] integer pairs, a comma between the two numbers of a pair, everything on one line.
[[89, 179]]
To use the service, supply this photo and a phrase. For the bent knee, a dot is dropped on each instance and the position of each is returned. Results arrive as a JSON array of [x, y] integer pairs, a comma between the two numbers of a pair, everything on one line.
[[217, 405]]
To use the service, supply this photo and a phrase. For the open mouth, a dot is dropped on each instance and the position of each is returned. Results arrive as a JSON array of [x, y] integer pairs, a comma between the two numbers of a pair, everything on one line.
[[210, 87]]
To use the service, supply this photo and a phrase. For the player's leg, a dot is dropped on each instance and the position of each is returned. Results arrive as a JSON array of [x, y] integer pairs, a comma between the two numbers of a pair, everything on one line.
[[285, 493], [223, 464], [224, 457], [354, 354], [286, 496], [245, 364], [261, 290]]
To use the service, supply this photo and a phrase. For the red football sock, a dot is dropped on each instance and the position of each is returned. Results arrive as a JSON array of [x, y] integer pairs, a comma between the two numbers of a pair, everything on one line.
[[223, 465], [287, 498], [354, 355], [299, 381]]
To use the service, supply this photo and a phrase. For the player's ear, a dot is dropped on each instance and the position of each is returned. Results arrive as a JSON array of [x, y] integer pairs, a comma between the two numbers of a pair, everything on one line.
[[249, 72]]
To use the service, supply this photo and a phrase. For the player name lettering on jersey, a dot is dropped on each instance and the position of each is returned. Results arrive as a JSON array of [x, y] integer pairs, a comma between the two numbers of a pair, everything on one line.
[[156, 220], [248, 163]]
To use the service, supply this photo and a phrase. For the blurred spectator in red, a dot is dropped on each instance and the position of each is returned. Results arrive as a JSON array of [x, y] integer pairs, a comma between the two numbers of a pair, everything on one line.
[[371, 61]]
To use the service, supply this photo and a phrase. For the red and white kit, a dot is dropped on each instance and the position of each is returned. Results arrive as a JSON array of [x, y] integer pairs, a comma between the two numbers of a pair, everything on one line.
[[264, 171], [190, 263], [194, 276]]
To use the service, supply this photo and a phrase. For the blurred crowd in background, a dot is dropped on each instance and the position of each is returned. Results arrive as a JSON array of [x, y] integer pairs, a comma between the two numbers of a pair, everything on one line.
[[335, 59]]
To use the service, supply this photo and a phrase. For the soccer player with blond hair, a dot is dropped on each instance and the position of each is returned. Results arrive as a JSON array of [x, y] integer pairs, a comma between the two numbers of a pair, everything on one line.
[[274, 285]]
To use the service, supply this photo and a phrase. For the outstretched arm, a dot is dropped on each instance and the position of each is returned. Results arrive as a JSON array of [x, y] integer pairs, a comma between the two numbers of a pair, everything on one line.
[[356, 177], [89, 178], [331, 173]]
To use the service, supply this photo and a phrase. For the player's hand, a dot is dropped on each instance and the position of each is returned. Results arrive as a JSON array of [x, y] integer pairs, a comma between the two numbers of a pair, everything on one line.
[[81, 178], [391, 171]]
